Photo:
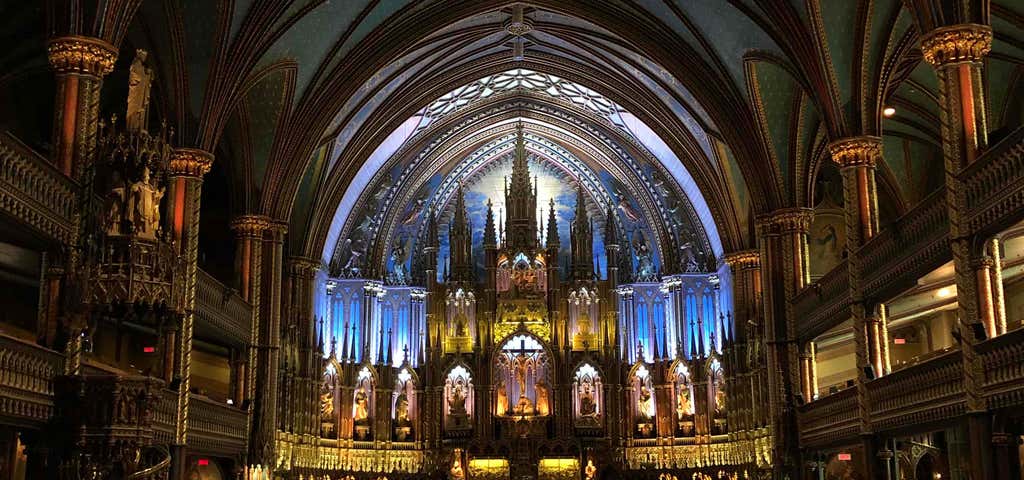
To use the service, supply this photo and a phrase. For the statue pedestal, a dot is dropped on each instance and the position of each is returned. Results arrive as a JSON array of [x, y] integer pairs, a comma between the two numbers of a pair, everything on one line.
[[362, 432], [403, 433], [583, 342], [645, 429]]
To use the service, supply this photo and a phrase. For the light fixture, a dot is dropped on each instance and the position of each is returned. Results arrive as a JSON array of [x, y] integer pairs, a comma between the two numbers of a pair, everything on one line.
[[888, 111], [944, 292]]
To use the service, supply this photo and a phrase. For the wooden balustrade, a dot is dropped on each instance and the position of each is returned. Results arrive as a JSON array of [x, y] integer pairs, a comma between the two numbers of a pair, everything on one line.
[[26, 381], [819, 304], [994, 186], [830, 420], [1003, 357], [929, 391], [34, 192], [216, 428], [221, 312]]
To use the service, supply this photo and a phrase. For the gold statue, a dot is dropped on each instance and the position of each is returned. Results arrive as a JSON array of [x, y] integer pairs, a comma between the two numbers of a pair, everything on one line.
[[461, 324], [456, 472], [402, 410], [326, 405], [719, 400], [683, 406], [360, 411], [583, 324], [457, 402], [140, 77], [590, 469], [502, 399], [645, 404], [588, 408], [543, 407], [145, 206]]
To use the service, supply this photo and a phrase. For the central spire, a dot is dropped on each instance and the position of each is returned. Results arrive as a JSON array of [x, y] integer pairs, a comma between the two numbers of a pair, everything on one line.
[[521, 200]]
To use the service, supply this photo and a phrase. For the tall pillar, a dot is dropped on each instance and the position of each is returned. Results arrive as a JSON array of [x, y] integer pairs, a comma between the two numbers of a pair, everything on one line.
[[745, 267], [248, 270], [265, 436], [957, 53], [80, 64], [782, 236], [185, 188]]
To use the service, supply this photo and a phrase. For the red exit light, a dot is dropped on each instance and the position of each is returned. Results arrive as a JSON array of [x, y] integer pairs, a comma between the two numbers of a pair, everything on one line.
[[844, 457], [148, 349], [899, 341], [203, 462]]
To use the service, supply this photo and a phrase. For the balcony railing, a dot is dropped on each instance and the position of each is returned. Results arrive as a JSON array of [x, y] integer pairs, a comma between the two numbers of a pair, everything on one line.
[[222, 312], [26, 380], [34, 192], [830, 419], [822, 303], [1003, 357], [994, 186], [215, 427], [928, 391]]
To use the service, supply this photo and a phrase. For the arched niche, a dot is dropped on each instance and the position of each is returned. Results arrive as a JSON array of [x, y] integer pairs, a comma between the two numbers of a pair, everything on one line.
[[643, 406], [522, 377], [458, 398], [682, 387], [404, 411], [717, 406], [363, 400], [587, 397], [329, 389]]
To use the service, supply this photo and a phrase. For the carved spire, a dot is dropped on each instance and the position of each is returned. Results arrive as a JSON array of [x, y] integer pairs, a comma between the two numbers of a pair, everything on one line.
[[582, 241], [490, 236], [521, 200], [611, 232], [460, 241], [553, 241]]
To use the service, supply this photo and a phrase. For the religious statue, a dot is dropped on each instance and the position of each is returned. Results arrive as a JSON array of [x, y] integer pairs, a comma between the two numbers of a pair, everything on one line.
[[590, 470], [145, 206], [360, 410], [461, 323], [115, 207], [583, 323], [644, 257], [720, 400], [543, 407], [457, 402], [522, 364], [456, 472], [326, 405], [588, 407], [399, 257], [140, 77], [645, 405], [402, 410], [683, 407], [502, 398]]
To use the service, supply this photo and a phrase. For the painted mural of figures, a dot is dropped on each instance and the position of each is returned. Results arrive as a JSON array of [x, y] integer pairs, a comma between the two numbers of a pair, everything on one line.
[[360, 408], [645, 405], [502, 398], [588, 407], [145, 206], [140, 78], [399, 260], [543, 407], [457, 402]]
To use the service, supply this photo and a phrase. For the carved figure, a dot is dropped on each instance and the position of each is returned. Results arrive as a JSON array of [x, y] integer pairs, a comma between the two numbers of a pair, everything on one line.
[[543, 407], [645, 404], [360, 410], [326, 405], [590, 471], [402, 410], [502, 398], [588, 408], [583, 323], [683, 406], [644, 256], [720, 400], [456, 472], [457, 402], [145, 204], [140, 76]]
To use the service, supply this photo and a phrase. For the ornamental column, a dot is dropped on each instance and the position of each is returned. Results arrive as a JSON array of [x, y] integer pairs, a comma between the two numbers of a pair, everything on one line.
[[782, 236], [185, 188], [80, 64], [957, 53], [269, 350], [857, 158], [248, 274], [746, 286]]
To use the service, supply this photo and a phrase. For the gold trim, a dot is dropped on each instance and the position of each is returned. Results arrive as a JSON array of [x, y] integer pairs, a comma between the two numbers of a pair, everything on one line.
[[190, 162], [967, 42], [743, 259], [856, 151], [250, 225], [81, 55], [786, 220]]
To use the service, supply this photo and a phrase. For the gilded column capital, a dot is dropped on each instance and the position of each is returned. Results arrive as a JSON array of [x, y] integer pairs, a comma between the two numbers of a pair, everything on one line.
[[81, 55], [856, 151], [786, 220], [967, 42], [251, 226], [304, 265], [743, 259], [189, 162]]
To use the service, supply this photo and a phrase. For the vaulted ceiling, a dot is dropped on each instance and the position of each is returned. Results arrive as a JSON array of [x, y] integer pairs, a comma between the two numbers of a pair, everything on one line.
[[296, 96]]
